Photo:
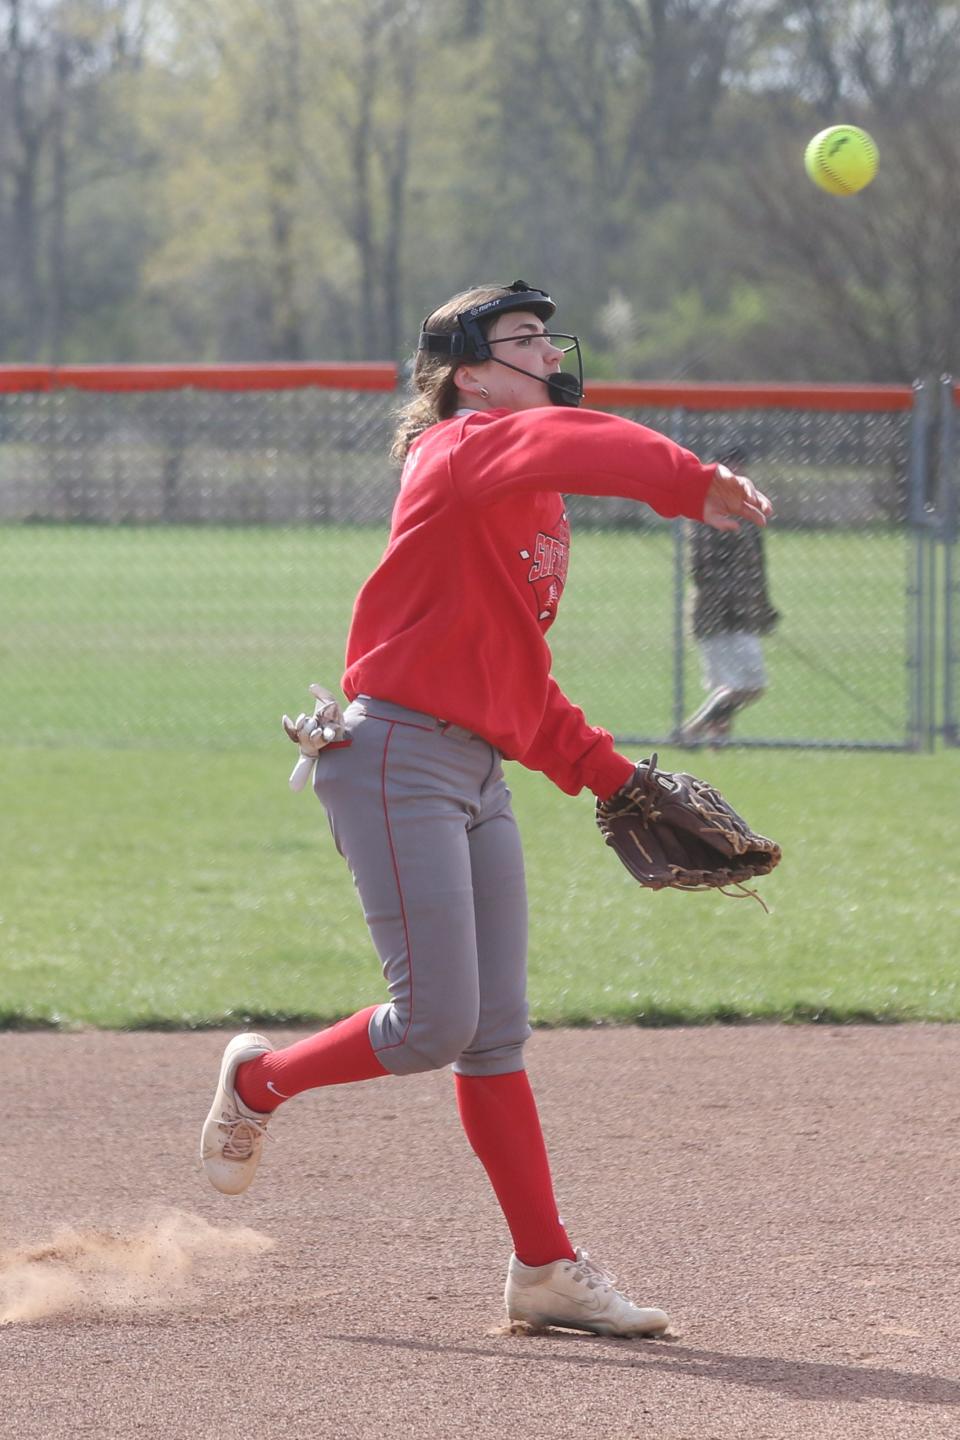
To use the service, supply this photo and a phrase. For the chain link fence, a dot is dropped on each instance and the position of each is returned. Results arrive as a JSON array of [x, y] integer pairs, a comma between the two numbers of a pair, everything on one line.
[[196, 457], [178, 563]]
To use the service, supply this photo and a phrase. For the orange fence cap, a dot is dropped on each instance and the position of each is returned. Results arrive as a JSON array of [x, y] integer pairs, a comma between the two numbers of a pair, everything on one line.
[[280, 376], [384, 375], [707, 395]]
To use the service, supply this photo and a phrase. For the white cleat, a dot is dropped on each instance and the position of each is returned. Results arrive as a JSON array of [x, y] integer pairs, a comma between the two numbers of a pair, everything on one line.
[[233, 1135], [578, 1295]]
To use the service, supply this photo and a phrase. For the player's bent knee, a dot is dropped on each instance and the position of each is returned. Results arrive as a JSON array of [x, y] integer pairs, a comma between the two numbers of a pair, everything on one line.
[[430, 1046]]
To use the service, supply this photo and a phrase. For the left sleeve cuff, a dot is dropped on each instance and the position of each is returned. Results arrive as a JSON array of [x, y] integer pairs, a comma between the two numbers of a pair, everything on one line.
[[607, 780]]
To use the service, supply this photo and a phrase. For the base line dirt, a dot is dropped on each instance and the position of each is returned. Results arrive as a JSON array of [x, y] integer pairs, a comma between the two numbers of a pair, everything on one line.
[[790, 1195]]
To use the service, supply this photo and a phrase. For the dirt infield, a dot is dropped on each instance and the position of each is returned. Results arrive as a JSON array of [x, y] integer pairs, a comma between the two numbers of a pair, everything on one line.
[[791, 1196]]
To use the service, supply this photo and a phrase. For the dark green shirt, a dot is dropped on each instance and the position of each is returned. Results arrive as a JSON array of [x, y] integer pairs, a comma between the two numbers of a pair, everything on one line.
[[730, 582]]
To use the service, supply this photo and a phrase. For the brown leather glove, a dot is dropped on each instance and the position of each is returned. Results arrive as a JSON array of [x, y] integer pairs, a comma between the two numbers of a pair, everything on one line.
[[675, 831]]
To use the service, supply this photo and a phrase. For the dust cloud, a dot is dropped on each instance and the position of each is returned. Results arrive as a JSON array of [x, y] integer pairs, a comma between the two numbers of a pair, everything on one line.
[[79, 1271]]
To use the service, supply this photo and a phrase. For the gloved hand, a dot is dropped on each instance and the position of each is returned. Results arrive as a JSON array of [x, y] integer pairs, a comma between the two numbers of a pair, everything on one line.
[[313, 733], [673, 830]]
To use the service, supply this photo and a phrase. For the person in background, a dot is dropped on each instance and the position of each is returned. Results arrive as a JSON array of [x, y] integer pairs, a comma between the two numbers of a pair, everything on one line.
[[731, 611]]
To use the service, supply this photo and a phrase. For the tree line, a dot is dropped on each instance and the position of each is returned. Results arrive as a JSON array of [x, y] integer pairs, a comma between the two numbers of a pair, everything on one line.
[[291, 179]]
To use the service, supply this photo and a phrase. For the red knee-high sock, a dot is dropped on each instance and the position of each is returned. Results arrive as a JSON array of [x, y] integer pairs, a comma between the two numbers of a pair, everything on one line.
[[499, 1115], [336, 1056]]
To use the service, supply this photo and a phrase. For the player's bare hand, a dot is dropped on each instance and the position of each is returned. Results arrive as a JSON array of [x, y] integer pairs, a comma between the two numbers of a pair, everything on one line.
[[732, 498]]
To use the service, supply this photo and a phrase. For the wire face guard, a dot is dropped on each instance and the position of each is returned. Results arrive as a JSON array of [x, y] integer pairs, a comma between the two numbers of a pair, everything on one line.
[[471, 342]]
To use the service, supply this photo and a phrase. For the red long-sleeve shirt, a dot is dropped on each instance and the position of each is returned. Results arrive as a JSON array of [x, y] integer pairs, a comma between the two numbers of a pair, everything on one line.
[[453, 620]]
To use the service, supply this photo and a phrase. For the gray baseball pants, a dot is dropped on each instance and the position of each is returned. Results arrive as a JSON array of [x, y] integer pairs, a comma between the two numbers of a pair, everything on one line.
[[421, 813]]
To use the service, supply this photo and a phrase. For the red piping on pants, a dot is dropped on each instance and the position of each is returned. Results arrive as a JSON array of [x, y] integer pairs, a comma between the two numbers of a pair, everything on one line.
[[396, 876]]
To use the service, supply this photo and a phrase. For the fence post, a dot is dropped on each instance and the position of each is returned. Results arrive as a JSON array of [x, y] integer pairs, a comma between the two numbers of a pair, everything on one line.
[[916, 589], [948, 500]]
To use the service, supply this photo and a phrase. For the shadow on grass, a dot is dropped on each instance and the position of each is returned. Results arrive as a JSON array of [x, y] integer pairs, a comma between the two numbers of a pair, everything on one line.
[[233, 1020], [15, 1020], [655, 1018], [664, 1017]]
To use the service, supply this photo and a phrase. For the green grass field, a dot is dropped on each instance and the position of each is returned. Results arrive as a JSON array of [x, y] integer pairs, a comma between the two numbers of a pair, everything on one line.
[[157, 870], [175, 636]]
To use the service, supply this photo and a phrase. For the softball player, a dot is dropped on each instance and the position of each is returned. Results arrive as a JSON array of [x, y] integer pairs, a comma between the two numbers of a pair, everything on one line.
[[448, 672]]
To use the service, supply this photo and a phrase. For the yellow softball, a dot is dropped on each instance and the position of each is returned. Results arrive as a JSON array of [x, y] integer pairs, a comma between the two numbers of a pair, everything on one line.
[[842, 159]]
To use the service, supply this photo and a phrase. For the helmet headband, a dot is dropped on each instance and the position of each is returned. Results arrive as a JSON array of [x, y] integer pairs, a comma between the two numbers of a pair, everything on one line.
[[469, 341]]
